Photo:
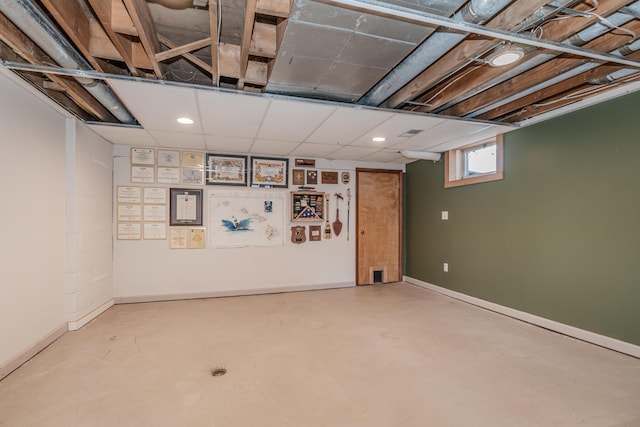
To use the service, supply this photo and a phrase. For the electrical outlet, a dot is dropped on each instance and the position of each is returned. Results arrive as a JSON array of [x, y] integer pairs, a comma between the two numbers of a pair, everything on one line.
[[445, 267], [445, 215]]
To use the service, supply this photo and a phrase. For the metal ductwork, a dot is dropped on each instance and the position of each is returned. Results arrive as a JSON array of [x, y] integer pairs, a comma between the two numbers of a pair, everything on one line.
[[35, 24], [584, 36], [438, 44]]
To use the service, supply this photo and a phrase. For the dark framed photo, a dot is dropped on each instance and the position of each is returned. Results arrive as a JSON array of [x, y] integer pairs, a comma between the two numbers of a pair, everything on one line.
[[269, 172], [186, 206], [312, 177], [226, 169], [305, 163], [298, 176]]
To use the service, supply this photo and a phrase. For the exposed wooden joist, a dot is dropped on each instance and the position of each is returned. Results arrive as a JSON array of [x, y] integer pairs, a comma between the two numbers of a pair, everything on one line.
[[25, 48], [120, 20], [141, 18], [279, 8], [188, 56], [249, 18], [181, 50], [263, 40], [215, 41], [230, 65], [101, 46]]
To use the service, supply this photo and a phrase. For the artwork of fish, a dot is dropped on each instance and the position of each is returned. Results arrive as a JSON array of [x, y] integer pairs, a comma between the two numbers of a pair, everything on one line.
[[235, 225]]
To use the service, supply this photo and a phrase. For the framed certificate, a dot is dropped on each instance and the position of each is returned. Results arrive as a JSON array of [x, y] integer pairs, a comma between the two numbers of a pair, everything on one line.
[[144, 174], [129, 213], [178, 238], [168, 175], [196, 238], [143, 156], [155, 212], [169, 158], [129, 231], [269, 172], [193, 159], [156, 195], [226, 170], [186, 206], [192, 176], [154, 231], [128, 194]]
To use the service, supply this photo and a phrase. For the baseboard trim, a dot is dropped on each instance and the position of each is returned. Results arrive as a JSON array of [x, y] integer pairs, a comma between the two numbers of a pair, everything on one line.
[[231, 293], [572, 331], [18, 360], [77, 324]]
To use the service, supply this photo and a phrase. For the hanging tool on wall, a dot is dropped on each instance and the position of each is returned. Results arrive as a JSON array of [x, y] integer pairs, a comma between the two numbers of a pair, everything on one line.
[[327, 225], [337, 225], [348, 210]]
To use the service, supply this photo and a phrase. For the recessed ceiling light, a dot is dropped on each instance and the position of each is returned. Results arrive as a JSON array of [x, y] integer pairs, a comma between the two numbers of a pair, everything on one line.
[[185, 120], [504, 55], [378, 139]]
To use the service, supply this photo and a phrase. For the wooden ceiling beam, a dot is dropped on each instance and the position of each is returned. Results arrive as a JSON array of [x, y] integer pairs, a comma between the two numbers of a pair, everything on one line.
[[181, 50], [215, 41], [278, 8], [30, 52], [475, 78], [452, 61], [249, 20], [558, 65], [142, 20], [188, 56]]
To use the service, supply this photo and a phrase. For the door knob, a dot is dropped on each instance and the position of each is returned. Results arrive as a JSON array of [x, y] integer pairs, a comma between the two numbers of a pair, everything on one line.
[[362, 232]]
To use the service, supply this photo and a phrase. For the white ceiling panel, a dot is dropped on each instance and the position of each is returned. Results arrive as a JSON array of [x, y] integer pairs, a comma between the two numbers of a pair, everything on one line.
[[397, 125], [446, 131], [228, 144], [277, 148], [488, 132], [228, 114], [384, 157], [348, 124], [292, 121], [158, 106], [125, 135], [353, 153], [314, 150], [179, 140]]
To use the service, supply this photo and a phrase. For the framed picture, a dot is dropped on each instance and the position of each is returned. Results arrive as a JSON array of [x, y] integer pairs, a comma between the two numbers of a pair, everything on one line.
[[307, 206], [143, 156], [169, 158], [298, 177], [269, 172], [226, 169], [186, 206], [192, 176], [192, 159], [305, 163], [329, 177], [312, 177]]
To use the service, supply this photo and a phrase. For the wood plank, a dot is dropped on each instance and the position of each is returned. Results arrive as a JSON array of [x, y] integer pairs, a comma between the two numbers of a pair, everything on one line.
[[189, 57], [509, 20], [257, 73], [541, 73], [263, 40], [279, 8], [142, 20], [230, 60], [100, 44], [180, 50], [26, 49], [249, 18], [215, 41], [120, 20]]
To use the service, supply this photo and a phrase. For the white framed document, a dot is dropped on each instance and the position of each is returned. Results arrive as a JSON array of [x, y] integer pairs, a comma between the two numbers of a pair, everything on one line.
[[193, 159], [197, 238], [155, 231], [155, 213], [155, 195], [168, 175], [143, 156], [129, 231], [169, 158], [178, 238], [128, 213], [193, 176], [143, 174], [128, 194]]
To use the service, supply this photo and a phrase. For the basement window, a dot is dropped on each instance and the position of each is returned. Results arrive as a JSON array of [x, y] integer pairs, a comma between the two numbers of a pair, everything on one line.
[[481, 162]]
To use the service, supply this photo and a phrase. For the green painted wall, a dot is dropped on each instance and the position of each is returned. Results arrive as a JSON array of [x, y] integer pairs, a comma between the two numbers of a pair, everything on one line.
[[559, 237]]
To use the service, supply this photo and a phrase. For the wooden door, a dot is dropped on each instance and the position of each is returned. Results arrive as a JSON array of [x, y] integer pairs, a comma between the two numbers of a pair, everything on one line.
[[378, 226]]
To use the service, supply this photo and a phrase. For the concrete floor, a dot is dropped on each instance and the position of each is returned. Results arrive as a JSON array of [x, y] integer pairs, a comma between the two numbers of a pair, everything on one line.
[[385, 355]]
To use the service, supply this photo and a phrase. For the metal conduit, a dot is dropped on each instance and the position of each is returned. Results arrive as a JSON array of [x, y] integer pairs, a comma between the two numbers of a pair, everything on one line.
[[584, 36], [33, 22], [439, 43]]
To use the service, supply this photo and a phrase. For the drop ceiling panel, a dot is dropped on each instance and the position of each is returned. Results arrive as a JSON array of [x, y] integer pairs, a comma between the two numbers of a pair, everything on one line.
[[488, 132], [397, 125], [307, 149], [292, 121], [228, 144], [179, 140], [353, 153], [384, 157], [276, 148], [228, 114], [157, 106], [447, 131], [348, 124], [124, 135]]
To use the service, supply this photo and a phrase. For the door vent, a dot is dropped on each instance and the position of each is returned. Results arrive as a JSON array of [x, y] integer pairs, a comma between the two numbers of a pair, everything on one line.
[[378, 276]]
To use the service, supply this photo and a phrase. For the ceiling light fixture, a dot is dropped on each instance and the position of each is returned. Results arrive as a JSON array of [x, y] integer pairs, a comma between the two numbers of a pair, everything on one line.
[[378, 139], [505, 54], [185, 120]]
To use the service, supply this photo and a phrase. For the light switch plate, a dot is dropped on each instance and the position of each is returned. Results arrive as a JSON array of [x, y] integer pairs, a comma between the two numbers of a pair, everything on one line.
[[445, 215]]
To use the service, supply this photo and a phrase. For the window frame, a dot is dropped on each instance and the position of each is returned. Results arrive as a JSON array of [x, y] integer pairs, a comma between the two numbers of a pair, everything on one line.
[[454, 162]]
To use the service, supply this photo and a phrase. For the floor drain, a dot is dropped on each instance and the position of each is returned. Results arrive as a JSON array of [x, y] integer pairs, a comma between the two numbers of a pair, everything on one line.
[[218, 372]]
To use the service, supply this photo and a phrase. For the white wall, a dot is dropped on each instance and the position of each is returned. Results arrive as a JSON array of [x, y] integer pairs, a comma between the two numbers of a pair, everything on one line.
[[32, 223], [149, 270]]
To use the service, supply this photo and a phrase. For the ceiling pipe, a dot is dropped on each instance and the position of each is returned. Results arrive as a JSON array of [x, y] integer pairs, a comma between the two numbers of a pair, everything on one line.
[[432, 49], [584, 36], [35, 24]]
